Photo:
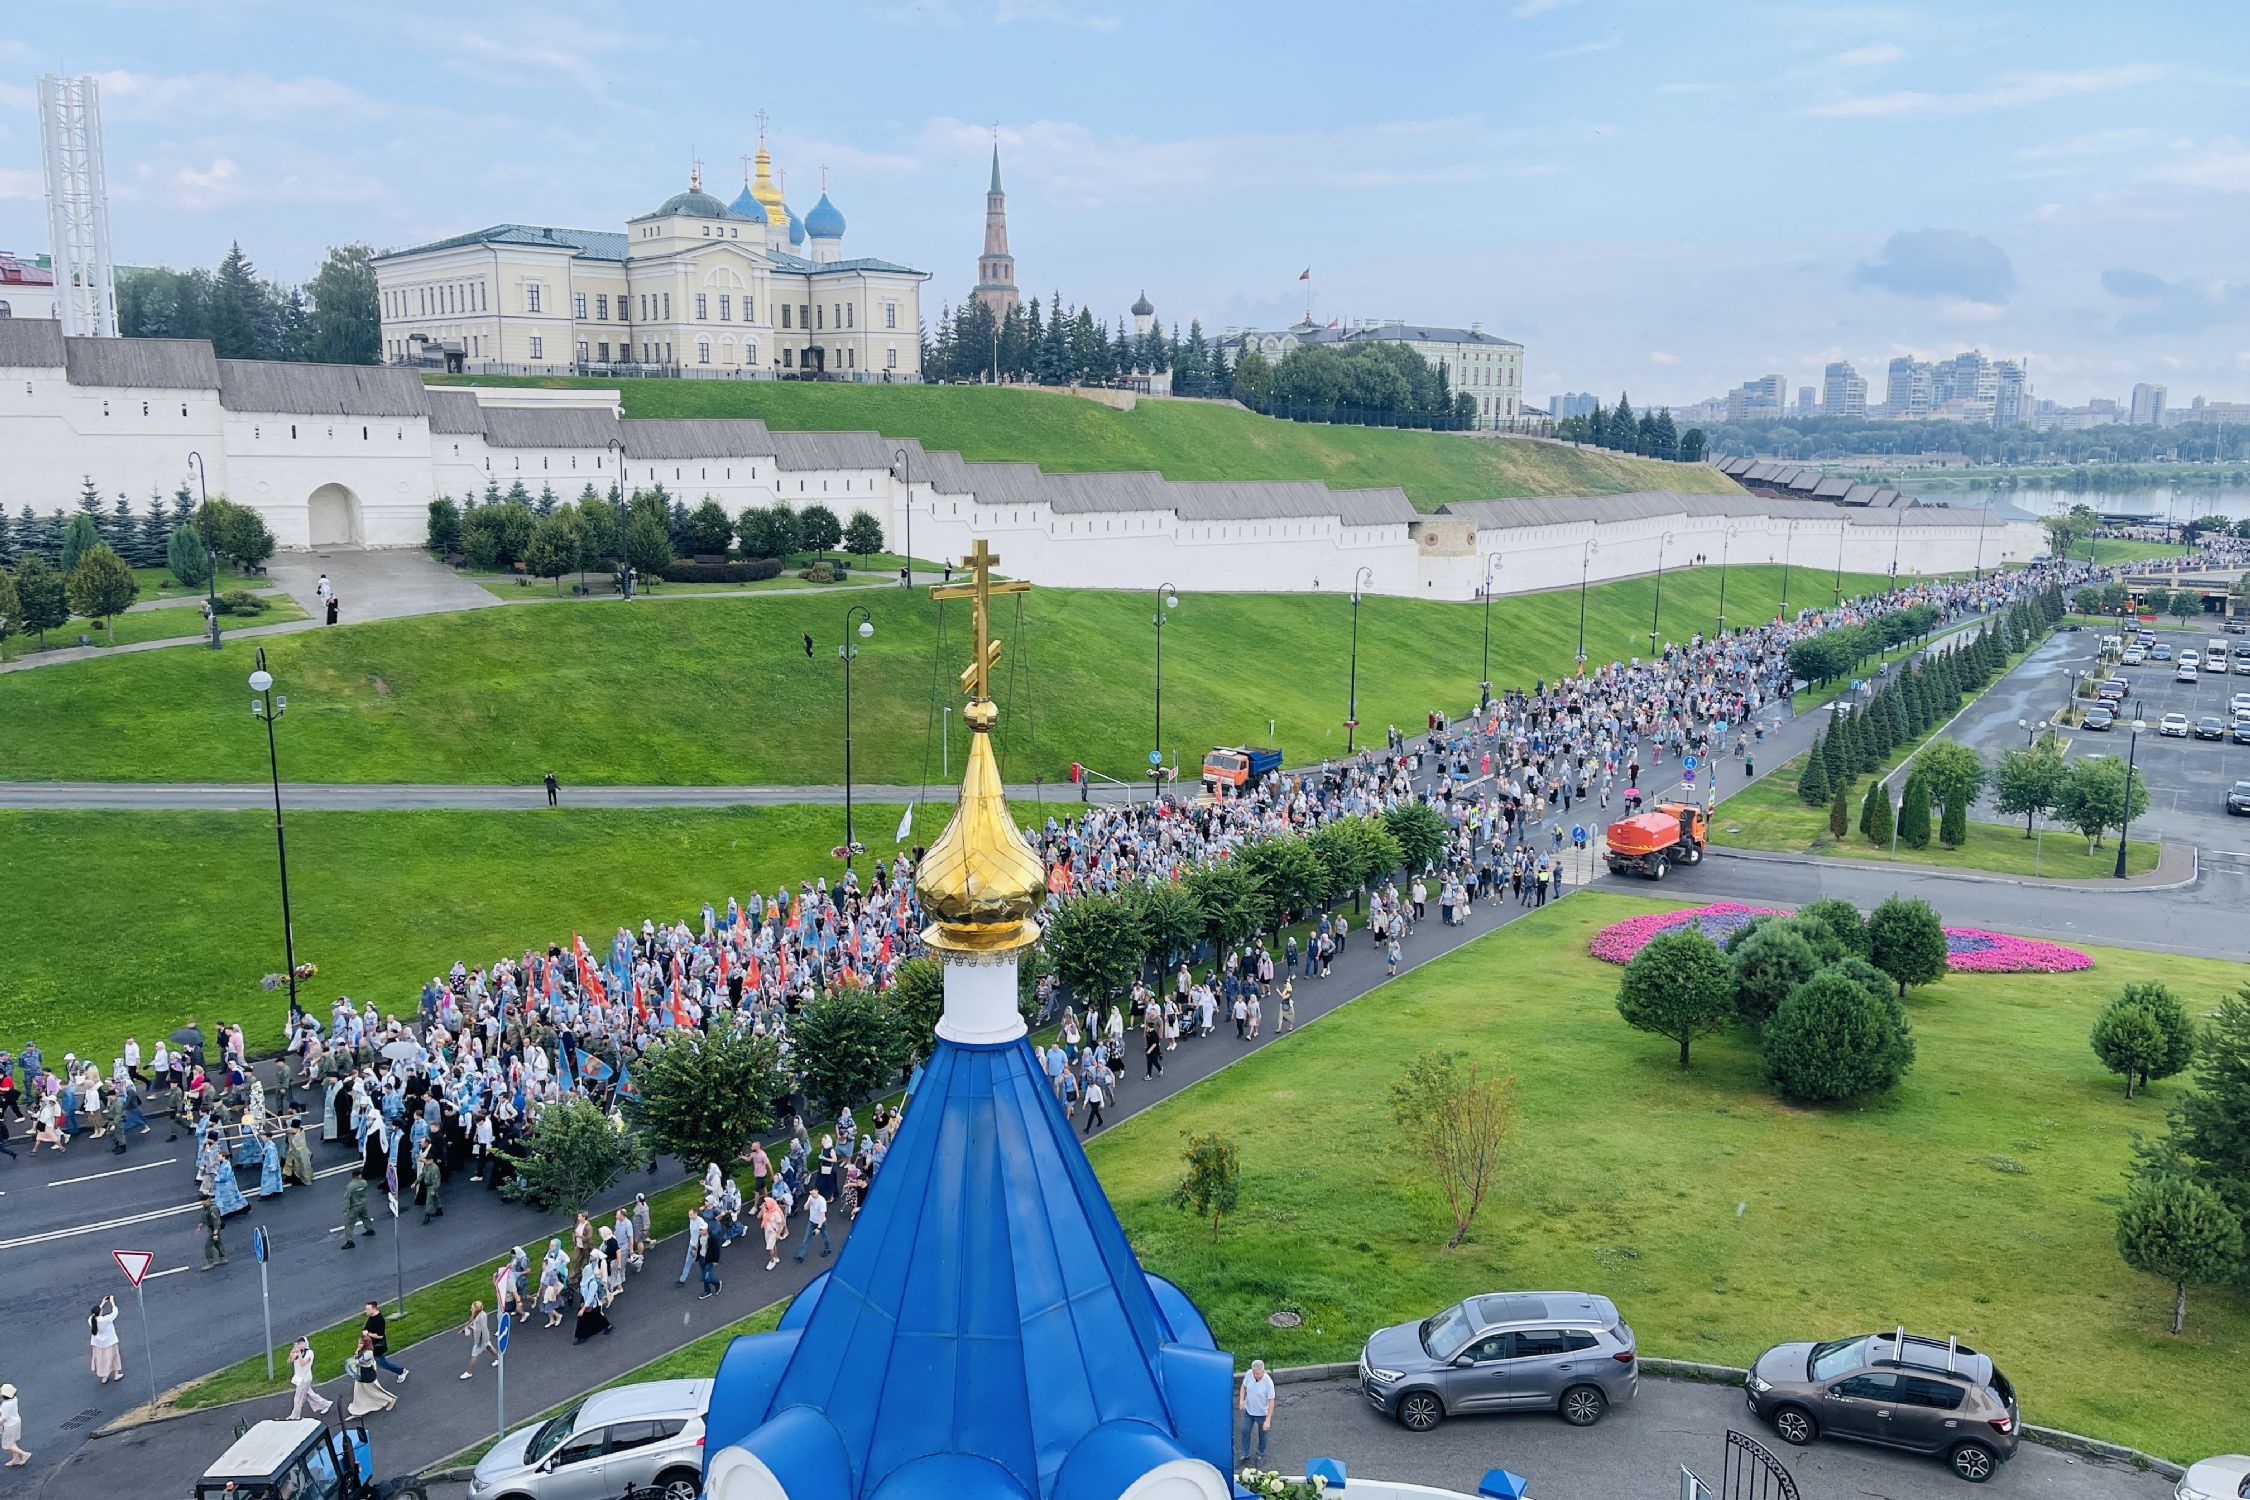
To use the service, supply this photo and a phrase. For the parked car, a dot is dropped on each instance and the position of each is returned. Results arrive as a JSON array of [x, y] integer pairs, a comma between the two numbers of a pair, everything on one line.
[[2241, 730], [2174, 727], [2160, 653], [2225, 1477], [2186, 673], [2239, 703], [2114, 690], [2097, 717], [627, 1437], [2190, 657], [2238, 799], [2134, 656], [2210, 727], [1920, 1394], [2236, 627], [2215, 661], [1564, 1352]]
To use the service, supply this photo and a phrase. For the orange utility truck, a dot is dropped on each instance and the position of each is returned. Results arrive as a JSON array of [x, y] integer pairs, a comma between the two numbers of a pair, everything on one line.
[[1650, 843]]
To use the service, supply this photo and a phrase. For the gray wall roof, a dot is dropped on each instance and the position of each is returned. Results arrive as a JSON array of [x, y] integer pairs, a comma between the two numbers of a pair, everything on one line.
[[454, 411], [549, 426], [165, 364], [30, 344], [695, 437], [321, 390]]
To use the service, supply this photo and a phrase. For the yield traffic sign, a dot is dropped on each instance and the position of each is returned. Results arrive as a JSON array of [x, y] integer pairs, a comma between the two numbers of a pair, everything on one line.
[[134, 1263]]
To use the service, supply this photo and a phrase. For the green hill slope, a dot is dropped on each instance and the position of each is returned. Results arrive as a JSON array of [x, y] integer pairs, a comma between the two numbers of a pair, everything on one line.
[[1181, 439], [719, 690]]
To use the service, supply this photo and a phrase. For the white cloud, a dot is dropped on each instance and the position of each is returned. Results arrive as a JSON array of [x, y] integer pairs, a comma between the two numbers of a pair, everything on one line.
[[214, 186], [234, 98], [2007, 91], [1050, 12], [1875, 54], [14, 97], [1526, 9], [1659, 357], [2224, 164], [1974, 312], [1582, 49], [2092, 143]]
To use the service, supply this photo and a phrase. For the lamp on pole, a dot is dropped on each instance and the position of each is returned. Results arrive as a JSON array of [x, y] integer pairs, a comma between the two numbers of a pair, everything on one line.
[[848, 651], [1984, 517], [2125, 813], [1726, 544], [1491, 559], [1656, 615], [269, 706], [1167, 598], [906, 473], [1788, 538], [1898, 532], [1585, 561], [1351, 708], [617, 495], [210, 554], [1842, 526]]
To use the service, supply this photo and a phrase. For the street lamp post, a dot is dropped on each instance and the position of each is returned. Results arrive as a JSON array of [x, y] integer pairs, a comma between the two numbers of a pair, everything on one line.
[[269, 706], [848, 652], [1656, 615], [210, 554], [1984, 518], [1490, 559], [1351, 713], [1585, 561], [1788, 539], [1898, 532], [1166, 598], [906, 471], [2125, 813], [1842, 526], [1726, 545], [617, 495]]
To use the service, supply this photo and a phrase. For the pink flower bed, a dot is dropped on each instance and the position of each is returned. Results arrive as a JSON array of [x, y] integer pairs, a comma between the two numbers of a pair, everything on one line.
[[1968, 950]]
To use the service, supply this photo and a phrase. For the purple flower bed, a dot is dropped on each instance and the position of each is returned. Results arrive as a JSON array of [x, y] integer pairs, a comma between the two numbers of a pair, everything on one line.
[[1972, 950], [1968, 950]]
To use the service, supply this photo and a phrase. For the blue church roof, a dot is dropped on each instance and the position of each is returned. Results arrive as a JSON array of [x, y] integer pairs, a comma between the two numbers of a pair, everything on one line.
[[824, 222], [986, 1333], [796, 225], [747, 206]]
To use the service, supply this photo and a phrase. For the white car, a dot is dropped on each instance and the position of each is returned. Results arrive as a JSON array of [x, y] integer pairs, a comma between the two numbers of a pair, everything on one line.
[[2214, 663], [2175, 727], [2191, 658], [2134, 656], [2240, 703], [2225, 1477], [2186, 673]]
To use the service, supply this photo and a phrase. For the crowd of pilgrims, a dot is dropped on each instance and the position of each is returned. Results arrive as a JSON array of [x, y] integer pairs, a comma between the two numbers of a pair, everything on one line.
[[450, 1088]]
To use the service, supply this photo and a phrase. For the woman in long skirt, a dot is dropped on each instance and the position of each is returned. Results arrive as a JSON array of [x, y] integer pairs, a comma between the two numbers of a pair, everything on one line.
[[368, 1394], [297, 1161], [591, 1317], [329, 1107], [109, 1364], [225, 1191]]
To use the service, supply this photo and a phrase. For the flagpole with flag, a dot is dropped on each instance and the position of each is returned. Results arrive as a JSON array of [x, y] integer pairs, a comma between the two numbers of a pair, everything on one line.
[[1306, 276]]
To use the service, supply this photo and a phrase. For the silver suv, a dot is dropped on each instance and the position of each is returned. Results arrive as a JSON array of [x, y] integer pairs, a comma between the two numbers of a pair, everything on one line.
[[603, 1445], [1564, 1352]]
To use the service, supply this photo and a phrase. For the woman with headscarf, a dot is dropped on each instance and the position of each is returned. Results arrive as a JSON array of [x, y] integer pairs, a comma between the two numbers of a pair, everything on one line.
[[773, 1219], [269, 1169], [301, 1381], [11, 1428], [592, 1319], [551, 1272], [368, 1394], [825, 1180]]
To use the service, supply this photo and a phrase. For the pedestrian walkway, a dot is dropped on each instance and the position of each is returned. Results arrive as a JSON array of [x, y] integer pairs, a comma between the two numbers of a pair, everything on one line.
[[385, 583]]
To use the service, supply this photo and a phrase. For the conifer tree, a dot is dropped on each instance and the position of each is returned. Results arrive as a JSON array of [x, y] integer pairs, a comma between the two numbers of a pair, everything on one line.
[[1914, 815], [1813, 782]]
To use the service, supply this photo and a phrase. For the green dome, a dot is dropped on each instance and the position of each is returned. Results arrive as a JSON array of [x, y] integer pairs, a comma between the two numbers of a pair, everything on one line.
[[695, 203]]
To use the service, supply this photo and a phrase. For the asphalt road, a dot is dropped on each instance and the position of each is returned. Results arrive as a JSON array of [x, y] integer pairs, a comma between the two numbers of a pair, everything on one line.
[[1635, 1452]]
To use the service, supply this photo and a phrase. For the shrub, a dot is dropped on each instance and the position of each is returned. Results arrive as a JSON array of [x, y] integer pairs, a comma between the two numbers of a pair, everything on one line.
[[1836, 1037], [820, 572], [444, 534], [2182, 1231], [1677, 986], [185, 558], [1768, 966], [755, 570], [1842, 919], [241, 602], [863, 534], [1906, 941], [2145, 1034]]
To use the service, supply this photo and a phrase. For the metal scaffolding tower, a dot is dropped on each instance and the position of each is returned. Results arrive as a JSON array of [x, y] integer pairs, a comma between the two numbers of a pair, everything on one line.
[[70, 135]]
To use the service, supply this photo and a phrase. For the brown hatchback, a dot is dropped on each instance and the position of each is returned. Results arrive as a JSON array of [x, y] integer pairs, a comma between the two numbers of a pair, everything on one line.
[[1894, 1389]]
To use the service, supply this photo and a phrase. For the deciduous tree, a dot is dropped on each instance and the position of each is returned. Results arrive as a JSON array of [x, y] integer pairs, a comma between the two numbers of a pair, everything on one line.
[[1212, 1183], [1677, 986], [573, 1150], [101, 586], [1906, 940], [701, 1095], [1454, 1122], [2178, 1229]]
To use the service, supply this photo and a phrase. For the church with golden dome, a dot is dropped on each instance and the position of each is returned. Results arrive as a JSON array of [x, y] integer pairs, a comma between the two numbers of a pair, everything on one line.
[[696, 286]]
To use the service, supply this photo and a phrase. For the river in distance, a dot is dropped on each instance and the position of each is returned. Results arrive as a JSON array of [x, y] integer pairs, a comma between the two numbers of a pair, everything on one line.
[[2157, 503]]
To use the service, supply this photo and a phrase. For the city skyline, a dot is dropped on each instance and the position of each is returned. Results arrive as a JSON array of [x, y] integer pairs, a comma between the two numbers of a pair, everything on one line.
[[1657, 206]]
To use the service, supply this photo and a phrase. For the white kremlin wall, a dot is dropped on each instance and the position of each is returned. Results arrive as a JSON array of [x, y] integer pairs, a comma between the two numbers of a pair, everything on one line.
[[344, 455]]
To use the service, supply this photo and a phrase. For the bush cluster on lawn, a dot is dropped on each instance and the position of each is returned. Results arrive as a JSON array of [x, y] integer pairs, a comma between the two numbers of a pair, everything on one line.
[[547, 537], [1816, 989], [754, 570]]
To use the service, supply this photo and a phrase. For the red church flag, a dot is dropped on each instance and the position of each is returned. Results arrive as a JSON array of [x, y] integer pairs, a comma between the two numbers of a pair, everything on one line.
[[1305, 275]]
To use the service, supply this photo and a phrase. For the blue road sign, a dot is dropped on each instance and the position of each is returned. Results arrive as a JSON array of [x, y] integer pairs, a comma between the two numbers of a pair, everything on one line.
[[259, 1245], [501, 1337], [1688, 761], [1156, 757], [1578, 833], [1687, 778]]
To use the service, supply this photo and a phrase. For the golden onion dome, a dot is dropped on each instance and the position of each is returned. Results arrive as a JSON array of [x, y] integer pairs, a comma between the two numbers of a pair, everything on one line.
[[764, 189], [981, 879]]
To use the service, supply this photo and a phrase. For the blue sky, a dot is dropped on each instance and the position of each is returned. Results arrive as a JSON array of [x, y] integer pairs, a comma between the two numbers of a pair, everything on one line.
[[1652, 196]]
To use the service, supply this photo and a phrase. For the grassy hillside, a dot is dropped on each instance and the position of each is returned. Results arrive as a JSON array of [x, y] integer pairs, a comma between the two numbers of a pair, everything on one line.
[[1720, 1219], [720, 690], [1181, 439]]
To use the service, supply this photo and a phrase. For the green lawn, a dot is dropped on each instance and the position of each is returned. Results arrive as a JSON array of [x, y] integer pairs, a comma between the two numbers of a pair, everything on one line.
[[158, 583], [188, 904], [2118, 550], [1768, 815], [1181, 439], [1979, 1200], [169, 623], [713, 691]]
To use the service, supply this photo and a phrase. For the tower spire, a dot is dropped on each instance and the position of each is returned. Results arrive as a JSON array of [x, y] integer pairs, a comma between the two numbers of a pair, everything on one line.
[[996, 268]]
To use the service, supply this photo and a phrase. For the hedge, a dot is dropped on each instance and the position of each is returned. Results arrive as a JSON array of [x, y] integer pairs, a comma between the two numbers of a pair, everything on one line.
[[756, 570]]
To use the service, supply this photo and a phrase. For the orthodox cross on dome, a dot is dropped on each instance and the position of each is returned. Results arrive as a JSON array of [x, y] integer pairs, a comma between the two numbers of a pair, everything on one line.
[[761, 127], [695, 174], [976, 681], [745, 169], [824, 177]]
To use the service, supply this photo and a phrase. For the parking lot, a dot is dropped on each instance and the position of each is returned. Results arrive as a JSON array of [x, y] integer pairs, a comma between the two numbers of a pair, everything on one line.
[[2187, 779], [1637, 1450]]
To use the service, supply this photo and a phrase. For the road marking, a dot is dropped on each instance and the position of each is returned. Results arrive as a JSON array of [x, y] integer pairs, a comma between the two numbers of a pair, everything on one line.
[[151, 1276], [78, 1229], [119, 1172]]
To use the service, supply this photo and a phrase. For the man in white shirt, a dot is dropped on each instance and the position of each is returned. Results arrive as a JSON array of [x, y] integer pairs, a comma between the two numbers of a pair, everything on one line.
[[816, 1222], [1257, 1409]]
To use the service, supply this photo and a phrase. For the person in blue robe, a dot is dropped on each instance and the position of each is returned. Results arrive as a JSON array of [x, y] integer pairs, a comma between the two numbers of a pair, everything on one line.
[[269, 1174], [225, 1191]]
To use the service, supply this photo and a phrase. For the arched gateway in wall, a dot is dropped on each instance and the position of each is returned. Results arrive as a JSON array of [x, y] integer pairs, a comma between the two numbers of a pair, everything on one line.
[[333, 517]]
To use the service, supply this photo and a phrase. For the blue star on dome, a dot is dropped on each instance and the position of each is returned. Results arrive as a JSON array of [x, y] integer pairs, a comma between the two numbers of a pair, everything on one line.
[[825, 222]]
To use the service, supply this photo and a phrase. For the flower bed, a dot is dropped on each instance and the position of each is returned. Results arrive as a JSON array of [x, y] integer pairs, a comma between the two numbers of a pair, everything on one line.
[[1972, 950], [1968, 950]]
